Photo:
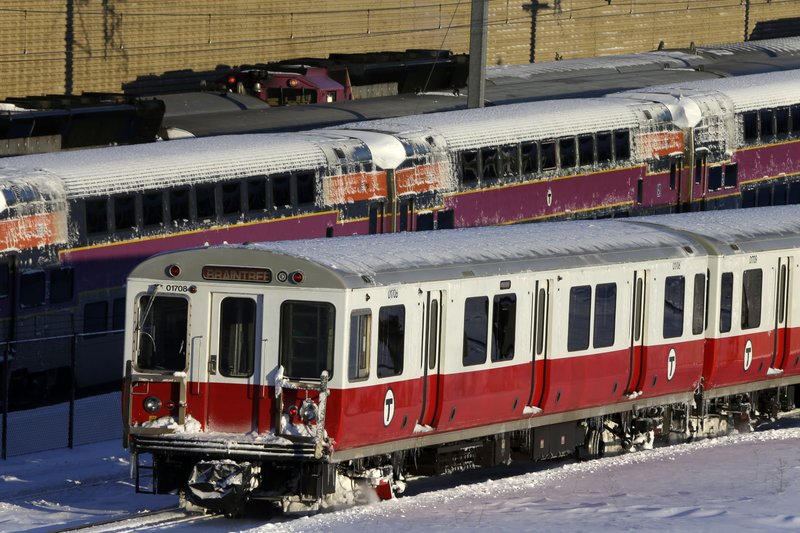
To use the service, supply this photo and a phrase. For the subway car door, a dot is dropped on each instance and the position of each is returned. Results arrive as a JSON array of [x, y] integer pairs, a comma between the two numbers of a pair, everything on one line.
[[431, 357], [539, 341], [782, 333], [234, 355], [638, 321]]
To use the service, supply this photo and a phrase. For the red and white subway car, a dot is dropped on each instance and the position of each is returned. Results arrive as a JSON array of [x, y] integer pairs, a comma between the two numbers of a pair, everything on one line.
[[305, 372]]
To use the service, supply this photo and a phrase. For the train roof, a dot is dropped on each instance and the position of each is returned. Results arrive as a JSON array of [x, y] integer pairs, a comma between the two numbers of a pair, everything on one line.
[[377, 260]]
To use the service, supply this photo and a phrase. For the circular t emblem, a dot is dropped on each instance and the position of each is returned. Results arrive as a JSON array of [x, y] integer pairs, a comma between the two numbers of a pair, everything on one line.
[[672, 364], [748, 355], [388, 407]]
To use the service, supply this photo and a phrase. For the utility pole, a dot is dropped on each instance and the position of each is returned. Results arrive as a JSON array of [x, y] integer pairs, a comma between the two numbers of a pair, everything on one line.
[[479, 23]]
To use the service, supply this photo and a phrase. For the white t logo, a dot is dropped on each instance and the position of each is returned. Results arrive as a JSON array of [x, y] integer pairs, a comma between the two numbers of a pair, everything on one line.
[[388, 407]]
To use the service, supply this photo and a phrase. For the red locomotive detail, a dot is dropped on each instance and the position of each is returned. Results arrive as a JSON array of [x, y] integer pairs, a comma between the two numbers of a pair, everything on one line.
[[361, 360]]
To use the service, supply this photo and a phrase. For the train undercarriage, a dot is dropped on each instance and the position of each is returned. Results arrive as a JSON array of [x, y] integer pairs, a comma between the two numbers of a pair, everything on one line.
[[306, 485]]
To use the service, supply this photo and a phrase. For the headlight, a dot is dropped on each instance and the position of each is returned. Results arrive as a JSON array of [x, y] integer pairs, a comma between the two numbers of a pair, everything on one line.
[[152, 404]]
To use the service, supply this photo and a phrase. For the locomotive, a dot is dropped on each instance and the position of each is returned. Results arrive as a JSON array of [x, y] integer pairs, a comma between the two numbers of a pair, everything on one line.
[[73, 225], [311, 372]]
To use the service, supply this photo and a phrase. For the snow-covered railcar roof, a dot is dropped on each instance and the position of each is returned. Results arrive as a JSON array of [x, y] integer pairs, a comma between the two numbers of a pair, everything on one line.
[[365, 261], [121, 169], [736, 230], [509, 124], [755, 91]]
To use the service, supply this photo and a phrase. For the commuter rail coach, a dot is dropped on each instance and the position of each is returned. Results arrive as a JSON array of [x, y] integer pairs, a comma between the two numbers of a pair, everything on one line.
[[305, 373]]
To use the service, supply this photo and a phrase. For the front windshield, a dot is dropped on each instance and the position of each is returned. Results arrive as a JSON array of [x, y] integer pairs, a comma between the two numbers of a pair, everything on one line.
[[162, 333]]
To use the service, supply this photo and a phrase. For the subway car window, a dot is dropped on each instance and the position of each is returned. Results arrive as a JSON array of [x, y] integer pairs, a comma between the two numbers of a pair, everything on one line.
[[674, 294], [767, 124], [360, 335], [566, 153], [586, 149], [731, 175], [605, 314], [489, 163], [795, 112], [509, 160], [5, 279], [548, 155], [580, 309], [118, 314], [699, 304], [726, 302], [306, 345], [782, 121], [470, 172], [162, 333], [714, 178], [476, 324], [504, 322], [751, 298], [32, 287], [391, 340], [237, 337]]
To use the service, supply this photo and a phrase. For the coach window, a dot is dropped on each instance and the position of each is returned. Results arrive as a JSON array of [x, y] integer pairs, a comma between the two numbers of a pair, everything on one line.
[[232, 198], [566, 153], [504, 323], [476, 324], [586, 149], [161, 332], [118, 314], [767, 124], [96, 216], [699, 167], [204, 201], [750, 125], [795, 113], [731, 175], [622, 144], [179, 204], [509, 160], [152, 209], [530, 157], [674, 294], [95, 317], [31, 289], [281, 192], [673, 173], [605, 314], [699, 304], [580, 309], [391, 340], [360, 336], [306, 344], [61, 285], [782, 121], [257, 194], [237, 337], [489, 163], [470, 170], [548, 155], [604, 153], [714, 178], [541, 334], [125, 212], [751, 298], [726, 302], [305, 188]]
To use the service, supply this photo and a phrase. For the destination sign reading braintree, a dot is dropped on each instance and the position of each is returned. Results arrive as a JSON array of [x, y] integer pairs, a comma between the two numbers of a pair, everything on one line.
[[248, 275]]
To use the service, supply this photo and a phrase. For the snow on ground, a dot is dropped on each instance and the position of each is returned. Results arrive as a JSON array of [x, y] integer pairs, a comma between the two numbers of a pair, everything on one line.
[[739, 483]]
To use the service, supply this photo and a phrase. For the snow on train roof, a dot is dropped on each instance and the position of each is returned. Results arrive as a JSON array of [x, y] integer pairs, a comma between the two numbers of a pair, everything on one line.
[[755, 91], [472, 128], [156, 165], [735, 226], [430, 255]]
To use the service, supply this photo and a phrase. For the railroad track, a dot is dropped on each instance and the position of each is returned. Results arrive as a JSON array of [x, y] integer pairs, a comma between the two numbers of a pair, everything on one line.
[[144, 521]]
